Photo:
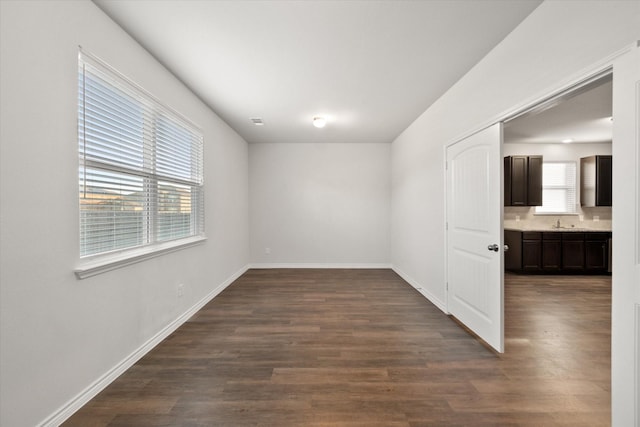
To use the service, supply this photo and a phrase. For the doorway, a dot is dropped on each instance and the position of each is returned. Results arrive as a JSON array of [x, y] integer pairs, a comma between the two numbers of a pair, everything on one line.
[[574, 125], [573, 323], [625, 302]]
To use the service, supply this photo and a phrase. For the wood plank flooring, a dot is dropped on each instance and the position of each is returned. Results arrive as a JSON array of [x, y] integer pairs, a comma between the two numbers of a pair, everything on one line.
[[363, 348]]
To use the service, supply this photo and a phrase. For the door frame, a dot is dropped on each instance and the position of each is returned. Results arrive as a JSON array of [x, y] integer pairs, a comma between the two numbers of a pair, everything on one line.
[[576, 80]]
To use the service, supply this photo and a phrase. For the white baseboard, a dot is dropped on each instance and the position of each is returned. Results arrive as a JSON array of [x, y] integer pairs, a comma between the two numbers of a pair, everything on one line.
[[73, 405], [428, 295], [321, 265]]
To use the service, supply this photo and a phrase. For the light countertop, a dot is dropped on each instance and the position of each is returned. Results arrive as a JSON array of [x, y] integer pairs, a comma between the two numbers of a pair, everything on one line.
[[558, 230]]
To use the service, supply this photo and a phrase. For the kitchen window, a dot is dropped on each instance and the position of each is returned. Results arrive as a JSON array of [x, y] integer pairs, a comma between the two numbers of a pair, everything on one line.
[[141, 169], [558, 188]]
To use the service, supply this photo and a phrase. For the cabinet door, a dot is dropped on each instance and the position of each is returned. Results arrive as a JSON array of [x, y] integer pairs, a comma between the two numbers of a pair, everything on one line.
[[534, 181], [551, 252], [531, 252], [507, 181], [596, 252], [573, 251], [513, 257], [588, 181], [595, 180], [519, 173], [603, 180]]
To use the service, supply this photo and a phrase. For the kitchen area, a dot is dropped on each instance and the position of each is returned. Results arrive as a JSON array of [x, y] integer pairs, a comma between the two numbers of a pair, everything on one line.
[[557, 225], [558, 185]]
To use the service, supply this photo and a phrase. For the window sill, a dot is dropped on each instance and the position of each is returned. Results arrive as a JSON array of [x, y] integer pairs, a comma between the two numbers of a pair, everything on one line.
[[102, 264]]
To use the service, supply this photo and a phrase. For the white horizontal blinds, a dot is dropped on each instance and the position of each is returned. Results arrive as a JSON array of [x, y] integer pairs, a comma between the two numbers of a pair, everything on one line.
[[112, 211], [178, 158], [558, 188], [175, 211], [178, 151], [114, 121], [141, 165]]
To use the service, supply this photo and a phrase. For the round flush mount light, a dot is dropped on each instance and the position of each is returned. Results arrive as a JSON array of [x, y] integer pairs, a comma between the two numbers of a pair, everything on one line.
[[567, 141], [319, 122]]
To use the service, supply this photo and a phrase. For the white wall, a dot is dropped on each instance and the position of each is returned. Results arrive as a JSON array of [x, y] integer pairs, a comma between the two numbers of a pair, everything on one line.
[[60, 334], [556, 42], [552, 47], [315, 204]]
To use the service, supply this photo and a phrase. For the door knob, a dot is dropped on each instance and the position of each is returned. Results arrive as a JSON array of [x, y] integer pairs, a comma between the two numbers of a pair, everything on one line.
[[506, 248], [494, 247]]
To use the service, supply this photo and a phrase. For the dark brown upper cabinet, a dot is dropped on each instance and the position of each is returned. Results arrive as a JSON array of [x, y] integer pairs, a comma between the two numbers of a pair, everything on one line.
[[595, 181], [523, 181]]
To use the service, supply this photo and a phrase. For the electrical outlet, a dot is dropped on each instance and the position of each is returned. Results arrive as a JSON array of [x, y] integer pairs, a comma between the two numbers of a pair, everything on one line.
[[517, 218], [267, 251], [180, 289], [596, 218], [581, 217]]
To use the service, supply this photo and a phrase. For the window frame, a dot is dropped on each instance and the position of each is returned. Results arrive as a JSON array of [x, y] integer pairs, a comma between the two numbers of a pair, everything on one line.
[[188, 176], [569, 187]]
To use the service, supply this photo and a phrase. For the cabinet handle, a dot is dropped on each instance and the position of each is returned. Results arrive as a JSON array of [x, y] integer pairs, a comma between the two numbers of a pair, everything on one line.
[[494, 247]]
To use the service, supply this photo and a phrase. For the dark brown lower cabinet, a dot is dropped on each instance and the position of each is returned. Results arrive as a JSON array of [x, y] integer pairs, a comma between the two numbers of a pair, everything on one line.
[[596, 252], [551, 251], [513, 256], [573, 251], [531, 251], [557, 252]]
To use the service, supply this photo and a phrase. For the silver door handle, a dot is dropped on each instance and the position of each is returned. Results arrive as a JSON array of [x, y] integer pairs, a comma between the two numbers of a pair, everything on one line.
[[506, 248], [494, 247]]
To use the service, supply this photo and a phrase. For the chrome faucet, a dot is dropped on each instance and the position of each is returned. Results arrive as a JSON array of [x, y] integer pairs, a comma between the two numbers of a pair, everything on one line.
[[557, 224]]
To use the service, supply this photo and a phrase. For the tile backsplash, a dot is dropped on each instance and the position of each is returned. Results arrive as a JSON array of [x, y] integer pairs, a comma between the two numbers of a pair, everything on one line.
[[525, 218]]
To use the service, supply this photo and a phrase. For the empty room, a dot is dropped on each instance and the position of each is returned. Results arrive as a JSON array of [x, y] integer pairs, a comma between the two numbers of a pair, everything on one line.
[[294, 213]]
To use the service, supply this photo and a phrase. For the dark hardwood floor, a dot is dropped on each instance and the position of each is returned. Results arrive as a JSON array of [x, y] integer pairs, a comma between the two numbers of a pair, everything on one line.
[[363, 348]]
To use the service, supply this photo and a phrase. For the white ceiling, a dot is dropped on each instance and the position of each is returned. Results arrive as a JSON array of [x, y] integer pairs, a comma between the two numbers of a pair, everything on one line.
[[584, 117], [370, 67]]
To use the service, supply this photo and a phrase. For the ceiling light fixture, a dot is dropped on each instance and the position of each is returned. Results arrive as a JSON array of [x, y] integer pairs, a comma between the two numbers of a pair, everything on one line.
[[319, 122], [257, 121], [567, 141]]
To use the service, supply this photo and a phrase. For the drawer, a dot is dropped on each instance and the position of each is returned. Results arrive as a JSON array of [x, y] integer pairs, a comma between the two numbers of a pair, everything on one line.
[[573, 236], [531, 235], [598, 236], [552, 236]]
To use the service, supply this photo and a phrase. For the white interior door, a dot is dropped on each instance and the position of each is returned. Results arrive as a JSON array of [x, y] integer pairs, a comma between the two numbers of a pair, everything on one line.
[[625, 317], [474, 234]]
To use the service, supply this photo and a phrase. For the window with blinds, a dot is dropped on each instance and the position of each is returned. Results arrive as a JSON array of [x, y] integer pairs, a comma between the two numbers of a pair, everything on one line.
[[141, 165], [558, 188]]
